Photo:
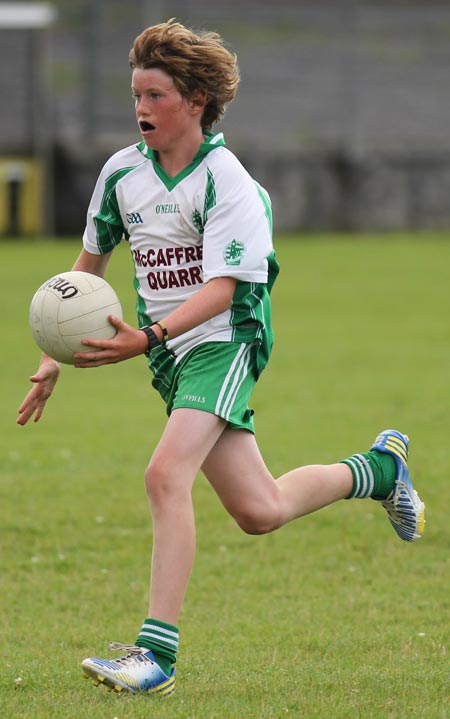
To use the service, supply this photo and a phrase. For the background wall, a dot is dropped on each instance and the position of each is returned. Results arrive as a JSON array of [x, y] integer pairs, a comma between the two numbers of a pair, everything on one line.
[[343, 111]]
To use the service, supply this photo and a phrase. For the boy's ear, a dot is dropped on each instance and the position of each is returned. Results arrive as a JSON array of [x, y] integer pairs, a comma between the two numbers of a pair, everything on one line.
[[197, 101]]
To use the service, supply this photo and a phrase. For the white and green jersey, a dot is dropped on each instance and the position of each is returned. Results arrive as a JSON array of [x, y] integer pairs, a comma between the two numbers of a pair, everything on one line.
[[210, 220]]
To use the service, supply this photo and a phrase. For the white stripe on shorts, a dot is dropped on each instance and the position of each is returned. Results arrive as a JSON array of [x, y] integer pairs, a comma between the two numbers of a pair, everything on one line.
[[236, 374]]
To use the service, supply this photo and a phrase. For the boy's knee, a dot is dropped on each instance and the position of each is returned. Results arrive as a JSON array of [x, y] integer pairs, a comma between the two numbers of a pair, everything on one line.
[[158, 480], [260, 520], [164, 483]]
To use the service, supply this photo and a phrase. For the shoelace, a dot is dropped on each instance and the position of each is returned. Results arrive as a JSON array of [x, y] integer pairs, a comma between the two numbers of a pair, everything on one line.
[[131, 651], [128, 648]]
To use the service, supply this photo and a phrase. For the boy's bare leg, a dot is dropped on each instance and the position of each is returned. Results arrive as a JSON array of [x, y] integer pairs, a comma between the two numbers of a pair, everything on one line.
[[187, 439], [237, 471]]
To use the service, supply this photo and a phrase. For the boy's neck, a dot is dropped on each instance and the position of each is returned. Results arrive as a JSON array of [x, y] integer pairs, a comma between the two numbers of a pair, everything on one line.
[[174, 161]]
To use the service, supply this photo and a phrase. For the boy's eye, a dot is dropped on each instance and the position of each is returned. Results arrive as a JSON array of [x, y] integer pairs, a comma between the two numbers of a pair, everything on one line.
[[153, 96]]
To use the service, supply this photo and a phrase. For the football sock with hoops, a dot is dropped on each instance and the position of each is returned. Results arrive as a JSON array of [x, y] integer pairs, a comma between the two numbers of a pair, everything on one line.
[[162, 640], [373, 474]]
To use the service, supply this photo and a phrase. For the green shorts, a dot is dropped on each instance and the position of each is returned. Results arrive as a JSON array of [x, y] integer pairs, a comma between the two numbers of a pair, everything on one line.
[[216, 377]]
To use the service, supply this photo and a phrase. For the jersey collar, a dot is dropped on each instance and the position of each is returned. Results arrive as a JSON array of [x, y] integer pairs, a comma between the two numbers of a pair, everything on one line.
[[210, 142]]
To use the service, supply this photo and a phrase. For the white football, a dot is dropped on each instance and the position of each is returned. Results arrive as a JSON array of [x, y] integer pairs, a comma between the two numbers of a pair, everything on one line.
[[69, 308]]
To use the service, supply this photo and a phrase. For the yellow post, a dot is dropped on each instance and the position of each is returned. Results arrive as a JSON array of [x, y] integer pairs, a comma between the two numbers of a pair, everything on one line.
[[21, 196]]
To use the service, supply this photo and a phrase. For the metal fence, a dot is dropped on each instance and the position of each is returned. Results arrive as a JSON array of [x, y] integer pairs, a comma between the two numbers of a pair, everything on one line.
[[343, 110]]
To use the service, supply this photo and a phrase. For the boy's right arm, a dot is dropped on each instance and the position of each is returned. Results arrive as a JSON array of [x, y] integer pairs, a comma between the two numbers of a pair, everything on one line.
[[47, 375], [43, 383]]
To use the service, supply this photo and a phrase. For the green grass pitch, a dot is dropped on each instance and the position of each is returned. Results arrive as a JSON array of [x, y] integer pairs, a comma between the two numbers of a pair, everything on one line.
[[332, 617]]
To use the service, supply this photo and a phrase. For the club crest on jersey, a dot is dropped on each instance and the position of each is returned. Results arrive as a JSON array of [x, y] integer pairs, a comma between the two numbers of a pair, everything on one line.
[[234, 252]]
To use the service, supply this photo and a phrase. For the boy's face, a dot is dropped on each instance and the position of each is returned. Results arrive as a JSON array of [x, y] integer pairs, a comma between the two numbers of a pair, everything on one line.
[[164, 117]]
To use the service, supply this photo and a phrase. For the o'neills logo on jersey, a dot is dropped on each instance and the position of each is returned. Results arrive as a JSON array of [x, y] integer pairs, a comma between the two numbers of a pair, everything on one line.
[[167, 209], [184, 273]]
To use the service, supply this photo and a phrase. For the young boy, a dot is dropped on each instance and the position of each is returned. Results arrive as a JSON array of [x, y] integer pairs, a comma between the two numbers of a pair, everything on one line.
[[199, 231]]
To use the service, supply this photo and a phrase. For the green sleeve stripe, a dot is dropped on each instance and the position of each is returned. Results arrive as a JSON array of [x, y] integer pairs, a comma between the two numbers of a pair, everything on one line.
[[264, 195], [273, 270], [210, 195], [108, 221]]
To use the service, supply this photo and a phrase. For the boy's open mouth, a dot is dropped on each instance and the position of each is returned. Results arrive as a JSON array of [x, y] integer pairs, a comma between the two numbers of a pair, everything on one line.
[[145, 126]]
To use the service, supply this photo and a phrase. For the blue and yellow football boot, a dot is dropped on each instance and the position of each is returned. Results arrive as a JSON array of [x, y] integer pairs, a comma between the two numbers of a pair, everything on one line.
[[137, 671], [405, 509]]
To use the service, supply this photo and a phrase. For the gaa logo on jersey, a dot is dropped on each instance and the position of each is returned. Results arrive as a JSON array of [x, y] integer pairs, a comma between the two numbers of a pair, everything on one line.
[[134, 218], [234, 252]]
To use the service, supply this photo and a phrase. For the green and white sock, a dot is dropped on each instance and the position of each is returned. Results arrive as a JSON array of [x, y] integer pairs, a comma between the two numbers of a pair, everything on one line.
[[373, 474], [162, 639]]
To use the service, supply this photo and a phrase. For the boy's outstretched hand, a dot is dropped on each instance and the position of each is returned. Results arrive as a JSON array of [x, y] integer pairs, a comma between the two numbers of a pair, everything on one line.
[[128, 342], [43, 383]]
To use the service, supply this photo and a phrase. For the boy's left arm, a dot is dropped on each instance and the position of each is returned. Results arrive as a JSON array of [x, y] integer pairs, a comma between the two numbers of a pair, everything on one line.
[[212, 299]]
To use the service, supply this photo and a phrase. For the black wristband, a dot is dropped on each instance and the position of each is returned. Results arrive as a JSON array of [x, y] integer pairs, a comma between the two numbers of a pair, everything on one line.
[[153, 340]]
